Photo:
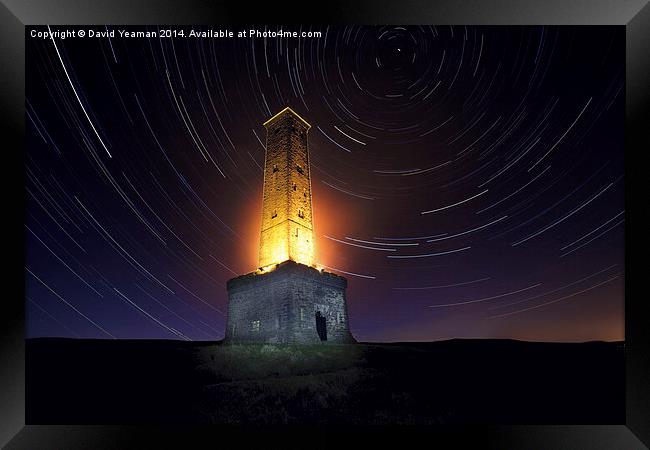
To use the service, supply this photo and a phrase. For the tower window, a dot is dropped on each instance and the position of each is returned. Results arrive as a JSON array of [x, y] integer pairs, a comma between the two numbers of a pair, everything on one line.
[[255, 326], [294, 186], [304, 193], [296, 232], [274, 214], [299, 169], [275, 168], [301, 214]]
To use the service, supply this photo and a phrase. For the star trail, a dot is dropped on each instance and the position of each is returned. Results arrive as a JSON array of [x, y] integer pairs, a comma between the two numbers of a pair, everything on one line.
[[468, 181]]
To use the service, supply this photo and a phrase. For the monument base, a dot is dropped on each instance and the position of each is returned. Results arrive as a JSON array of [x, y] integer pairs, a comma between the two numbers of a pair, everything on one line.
[[289, 304]]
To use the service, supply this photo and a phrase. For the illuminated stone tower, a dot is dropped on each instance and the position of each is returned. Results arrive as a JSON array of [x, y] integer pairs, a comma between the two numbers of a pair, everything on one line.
[[287, 223], [287, 300]]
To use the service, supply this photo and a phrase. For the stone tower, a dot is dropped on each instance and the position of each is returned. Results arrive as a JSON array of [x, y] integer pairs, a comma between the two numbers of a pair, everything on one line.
[[287, 299], [287, 224]]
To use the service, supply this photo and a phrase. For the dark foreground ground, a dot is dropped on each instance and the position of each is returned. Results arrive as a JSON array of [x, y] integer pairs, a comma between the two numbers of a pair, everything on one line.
[[459, 381]]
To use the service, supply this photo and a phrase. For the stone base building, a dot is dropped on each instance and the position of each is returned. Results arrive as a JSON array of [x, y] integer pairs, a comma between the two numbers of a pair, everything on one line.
[[291, 303]]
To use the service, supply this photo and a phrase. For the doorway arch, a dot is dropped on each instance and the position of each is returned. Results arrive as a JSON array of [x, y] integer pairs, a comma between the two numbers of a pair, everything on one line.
[[321, 326]]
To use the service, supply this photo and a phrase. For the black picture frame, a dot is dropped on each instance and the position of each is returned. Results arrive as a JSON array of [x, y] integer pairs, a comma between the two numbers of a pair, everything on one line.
[[634, 15]]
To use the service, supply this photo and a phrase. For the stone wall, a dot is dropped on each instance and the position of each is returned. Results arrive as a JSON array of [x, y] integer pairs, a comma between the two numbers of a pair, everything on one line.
[[280, 306]]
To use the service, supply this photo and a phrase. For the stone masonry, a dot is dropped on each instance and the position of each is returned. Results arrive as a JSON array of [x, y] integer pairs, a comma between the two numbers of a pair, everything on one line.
[[292, 303], [287, 224]]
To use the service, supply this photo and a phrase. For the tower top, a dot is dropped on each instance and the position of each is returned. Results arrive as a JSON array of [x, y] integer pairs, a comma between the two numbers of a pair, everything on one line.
[[284, 112]]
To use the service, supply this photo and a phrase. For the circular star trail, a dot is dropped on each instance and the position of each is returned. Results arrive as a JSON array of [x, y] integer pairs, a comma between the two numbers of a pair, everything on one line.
[[468, 181]]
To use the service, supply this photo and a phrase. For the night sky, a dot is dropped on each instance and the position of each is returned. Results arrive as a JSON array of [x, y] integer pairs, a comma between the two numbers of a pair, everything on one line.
[[467, 181]]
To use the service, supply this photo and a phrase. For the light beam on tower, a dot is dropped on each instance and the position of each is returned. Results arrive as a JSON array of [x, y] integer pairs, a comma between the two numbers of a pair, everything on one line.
[[287, 230]]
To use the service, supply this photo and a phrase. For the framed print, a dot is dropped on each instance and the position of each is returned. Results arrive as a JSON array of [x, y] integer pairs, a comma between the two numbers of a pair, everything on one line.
[[401, 223]]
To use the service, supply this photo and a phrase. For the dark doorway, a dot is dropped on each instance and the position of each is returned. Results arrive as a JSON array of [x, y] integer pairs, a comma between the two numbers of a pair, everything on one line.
[[321, 326]]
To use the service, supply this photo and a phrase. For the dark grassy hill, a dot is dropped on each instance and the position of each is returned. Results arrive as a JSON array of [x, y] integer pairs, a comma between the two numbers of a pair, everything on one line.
[[458, 381]]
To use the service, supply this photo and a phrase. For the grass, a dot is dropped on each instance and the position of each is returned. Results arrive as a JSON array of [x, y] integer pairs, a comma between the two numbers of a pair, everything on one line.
[[256, 361], [483, 381]]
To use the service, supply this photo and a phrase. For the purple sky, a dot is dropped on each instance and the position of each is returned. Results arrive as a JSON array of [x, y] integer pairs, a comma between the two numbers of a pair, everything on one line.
[[468, 181]]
